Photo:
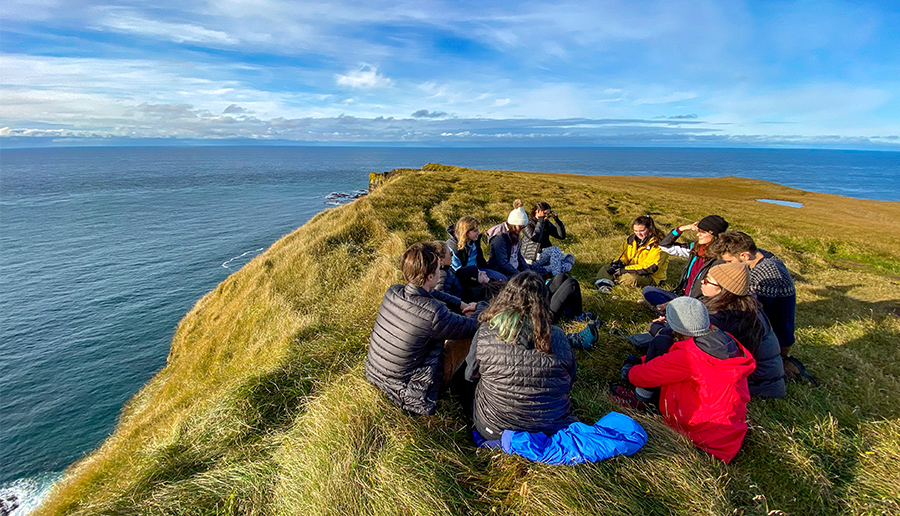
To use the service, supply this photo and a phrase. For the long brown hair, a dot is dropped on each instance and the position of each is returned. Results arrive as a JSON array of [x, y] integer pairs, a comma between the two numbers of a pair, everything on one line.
[[522, 306], [541, 206], [463, 226], [647, 222], [726, 300]]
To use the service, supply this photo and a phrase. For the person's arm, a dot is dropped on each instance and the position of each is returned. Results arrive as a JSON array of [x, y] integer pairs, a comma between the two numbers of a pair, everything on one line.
[[447, 325], [559, 229], [472, 372], [671, 367], [453, 303], [500, 256], [673, 235]]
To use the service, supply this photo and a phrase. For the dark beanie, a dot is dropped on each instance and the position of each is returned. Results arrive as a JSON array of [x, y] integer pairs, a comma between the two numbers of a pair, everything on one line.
[[713, 224]]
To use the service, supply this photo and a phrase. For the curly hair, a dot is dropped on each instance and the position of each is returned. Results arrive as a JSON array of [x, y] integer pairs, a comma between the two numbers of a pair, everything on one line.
[[522, 308]]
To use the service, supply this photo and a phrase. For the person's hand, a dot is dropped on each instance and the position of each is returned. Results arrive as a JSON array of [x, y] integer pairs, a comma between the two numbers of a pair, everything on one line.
[[467, 308], [660, 319], [619, 272], [625, 369], [483, 278], [553, 214], [688, 227]]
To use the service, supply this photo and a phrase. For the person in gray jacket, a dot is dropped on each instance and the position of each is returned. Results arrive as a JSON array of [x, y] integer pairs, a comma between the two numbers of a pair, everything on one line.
[[405, 358], [523, 364]]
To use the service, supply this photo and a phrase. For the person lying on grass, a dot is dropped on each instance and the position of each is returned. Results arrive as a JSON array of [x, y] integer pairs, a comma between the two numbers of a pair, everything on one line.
[[523, 364], [641, 262], [699, 260], [702, 380], [405, 357]]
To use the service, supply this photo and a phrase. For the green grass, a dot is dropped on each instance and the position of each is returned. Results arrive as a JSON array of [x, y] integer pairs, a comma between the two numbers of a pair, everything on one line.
[[263, 408]]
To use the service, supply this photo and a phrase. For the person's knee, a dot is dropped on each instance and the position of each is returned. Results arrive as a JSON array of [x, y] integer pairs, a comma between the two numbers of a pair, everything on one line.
[[629, 280]]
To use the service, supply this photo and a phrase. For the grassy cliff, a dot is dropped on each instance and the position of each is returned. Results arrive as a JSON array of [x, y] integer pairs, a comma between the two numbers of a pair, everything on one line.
[[263, 409]]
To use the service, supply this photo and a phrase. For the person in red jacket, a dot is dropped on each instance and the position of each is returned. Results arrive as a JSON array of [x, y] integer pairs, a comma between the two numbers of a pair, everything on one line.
[[703, 380]]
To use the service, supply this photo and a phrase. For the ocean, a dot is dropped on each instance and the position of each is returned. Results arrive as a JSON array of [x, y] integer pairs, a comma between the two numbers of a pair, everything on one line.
[[103, 250]]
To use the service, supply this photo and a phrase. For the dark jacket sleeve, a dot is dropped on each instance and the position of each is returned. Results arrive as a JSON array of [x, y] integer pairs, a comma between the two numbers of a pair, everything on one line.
[[448, 325], [557, 230], [450, 300], [670, 239]]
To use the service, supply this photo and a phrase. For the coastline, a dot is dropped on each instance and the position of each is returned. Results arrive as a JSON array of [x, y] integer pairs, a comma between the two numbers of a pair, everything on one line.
[[821, 209]]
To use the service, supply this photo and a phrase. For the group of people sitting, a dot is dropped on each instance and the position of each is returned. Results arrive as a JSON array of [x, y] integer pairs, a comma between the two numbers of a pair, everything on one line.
[[484, 330]]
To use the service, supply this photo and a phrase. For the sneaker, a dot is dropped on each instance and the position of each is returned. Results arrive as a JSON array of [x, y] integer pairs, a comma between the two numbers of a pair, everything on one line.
[[605, 286], [626, 398]]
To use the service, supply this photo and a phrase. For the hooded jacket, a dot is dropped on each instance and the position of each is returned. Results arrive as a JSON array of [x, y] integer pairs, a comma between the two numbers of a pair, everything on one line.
[[704, 391], [536, 236], [405, 349], [519, 387], [645, 258]]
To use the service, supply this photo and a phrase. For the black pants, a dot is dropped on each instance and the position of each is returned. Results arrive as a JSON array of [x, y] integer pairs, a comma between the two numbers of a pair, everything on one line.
[[565, 297]]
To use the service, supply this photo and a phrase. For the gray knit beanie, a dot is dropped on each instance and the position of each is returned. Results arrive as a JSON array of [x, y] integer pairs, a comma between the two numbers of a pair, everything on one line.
[[687, 316]]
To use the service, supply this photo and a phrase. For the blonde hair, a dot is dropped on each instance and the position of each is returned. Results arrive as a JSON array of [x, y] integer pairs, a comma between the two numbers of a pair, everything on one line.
[[463, 226]]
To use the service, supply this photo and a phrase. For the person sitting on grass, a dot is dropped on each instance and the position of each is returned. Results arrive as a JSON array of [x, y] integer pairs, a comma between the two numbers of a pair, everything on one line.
[[734, 310], [405, 357], [699, 259], [641, 262], [505, 243], [449, 282], [523, 365], [468, 258], [536, 246], [703, 380]]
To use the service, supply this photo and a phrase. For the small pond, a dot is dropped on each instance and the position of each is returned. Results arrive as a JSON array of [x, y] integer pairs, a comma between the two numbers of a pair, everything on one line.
[[792, 204]]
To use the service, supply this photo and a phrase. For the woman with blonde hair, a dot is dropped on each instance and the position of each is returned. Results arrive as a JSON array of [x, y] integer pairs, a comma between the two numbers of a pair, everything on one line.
[[468, 259]]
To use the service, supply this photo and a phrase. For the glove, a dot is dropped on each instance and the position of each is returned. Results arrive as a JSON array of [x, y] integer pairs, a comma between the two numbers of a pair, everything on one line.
[[625, 369]]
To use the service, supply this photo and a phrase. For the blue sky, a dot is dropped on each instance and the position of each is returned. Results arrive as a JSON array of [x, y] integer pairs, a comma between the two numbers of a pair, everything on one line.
[[670, 72]]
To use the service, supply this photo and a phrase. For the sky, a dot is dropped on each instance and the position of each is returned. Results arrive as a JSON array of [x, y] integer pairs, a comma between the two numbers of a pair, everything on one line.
[[812, 74]]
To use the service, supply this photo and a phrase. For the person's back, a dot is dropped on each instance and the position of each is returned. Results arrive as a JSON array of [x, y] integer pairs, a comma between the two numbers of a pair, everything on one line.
[[524, 377], [404, 358]]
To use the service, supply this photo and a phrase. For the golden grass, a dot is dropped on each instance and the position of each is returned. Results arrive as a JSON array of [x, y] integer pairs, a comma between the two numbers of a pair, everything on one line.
[[262, 407]]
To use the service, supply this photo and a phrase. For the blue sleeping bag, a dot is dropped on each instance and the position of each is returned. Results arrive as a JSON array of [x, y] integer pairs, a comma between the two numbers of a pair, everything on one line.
[[614, 434]]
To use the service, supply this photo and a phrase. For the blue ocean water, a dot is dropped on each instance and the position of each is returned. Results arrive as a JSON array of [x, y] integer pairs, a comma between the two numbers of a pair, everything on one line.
[[103, 250]]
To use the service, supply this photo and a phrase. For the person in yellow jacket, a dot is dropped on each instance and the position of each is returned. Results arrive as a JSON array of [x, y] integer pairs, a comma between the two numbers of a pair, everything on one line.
[[641, 262]]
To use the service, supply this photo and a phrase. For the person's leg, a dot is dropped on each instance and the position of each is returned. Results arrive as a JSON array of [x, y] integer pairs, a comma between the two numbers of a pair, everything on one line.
[[660, 345], [634, 280], [657, 296], [566, 299]]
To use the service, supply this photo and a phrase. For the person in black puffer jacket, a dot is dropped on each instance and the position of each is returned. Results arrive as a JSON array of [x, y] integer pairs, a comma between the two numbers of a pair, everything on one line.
[[524, 366], [536, 245], [405, 357]]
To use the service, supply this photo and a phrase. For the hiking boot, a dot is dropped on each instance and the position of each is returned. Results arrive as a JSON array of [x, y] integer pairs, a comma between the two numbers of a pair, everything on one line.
[[794, 371], [586, 338]]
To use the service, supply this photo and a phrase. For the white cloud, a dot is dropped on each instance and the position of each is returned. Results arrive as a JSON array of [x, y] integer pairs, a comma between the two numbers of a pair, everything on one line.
[[121, 20], [365, 77], [677, 96]]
